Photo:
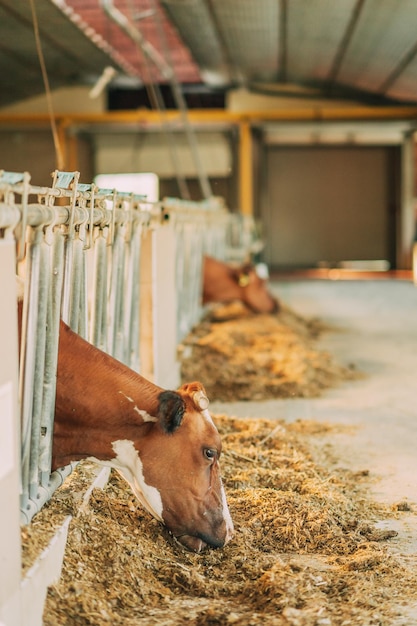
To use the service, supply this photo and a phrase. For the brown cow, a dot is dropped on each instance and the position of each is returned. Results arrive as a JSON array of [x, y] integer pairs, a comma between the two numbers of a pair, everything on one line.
[[163, 443], [224, 283]]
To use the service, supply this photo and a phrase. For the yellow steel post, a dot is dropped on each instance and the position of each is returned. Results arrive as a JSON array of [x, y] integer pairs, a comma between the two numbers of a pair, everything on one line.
[[245, 168]]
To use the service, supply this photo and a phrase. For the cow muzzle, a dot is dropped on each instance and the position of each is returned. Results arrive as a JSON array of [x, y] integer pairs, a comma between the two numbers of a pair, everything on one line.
[[197, 544]]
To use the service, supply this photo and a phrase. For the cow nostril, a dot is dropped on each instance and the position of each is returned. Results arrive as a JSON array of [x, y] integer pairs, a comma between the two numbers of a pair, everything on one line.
[[198, 542], [194, 544]]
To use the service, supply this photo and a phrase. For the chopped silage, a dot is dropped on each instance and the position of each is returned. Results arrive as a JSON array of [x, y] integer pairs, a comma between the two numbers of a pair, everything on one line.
[[307, 550], [241, 356]]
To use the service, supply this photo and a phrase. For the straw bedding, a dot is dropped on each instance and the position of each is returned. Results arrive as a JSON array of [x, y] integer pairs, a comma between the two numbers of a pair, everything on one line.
[[307, 549], [241, 356]]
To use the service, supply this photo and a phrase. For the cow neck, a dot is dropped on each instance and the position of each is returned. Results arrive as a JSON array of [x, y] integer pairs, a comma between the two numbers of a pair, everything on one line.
[[99, 401]]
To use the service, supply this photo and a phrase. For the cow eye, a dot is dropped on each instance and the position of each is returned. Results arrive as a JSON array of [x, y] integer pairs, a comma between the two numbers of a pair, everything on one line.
[[210, 453]]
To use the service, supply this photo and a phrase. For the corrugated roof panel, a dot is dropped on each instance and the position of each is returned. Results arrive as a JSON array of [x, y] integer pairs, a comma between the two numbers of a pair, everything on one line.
[[185, 68], [315, 31], [73, 53], [385, 31], [369, 46], [193, 20], [250, 31], [405, 86]]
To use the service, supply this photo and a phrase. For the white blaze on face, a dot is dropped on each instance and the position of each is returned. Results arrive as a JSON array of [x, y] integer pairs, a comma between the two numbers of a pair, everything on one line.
[[227, 516], [226, 513], [129, 465], [207, 416]]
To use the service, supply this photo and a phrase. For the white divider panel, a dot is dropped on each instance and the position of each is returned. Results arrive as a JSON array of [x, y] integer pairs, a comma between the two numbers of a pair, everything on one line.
[[166, 365], [124, 273], [44, 572], [10, 560]]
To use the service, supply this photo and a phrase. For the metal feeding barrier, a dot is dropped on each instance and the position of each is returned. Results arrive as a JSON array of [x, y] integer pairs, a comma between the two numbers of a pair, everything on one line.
[[79, 250], [55, 235], [201, 228]]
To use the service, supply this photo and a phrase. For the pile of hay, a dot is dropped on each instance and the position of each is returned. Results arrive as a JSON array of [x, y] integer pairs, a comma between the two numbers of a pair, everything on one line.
[[306, 550], [242, 356]]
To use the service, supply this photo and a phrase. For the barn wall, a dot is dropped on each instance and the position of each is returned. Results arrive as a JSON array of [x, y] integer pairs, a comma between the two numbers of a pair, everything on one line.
[[92, 150], [241, 100], [127, 152], [82, 157], [150, 152], [66, 100], [329, 204], [220, 186], [28, 149]]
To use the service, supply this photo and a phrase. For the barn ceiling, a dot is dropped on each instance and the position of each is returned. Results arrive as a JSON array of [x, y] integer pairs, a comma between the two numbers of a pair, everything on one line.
[[73, 53], [360, 49]]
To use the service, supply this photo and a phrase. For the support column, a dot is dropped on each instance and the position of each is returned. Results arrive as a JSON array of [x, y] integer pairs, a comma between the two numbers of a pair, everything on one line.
[[245, 168], [406, 226]]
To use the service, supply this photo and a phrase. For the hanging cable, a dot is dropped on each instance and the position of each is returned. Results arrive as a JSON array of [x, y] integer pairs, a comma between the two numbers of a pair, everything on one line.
[[157, 103], [167, 72], [57, 144]]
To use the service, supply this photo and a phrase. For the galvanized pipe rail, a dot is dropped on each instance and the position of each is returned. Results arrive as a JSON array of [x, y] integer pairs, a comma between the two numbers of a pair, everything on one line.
[[54, 241], [61, 232], [201, 229]]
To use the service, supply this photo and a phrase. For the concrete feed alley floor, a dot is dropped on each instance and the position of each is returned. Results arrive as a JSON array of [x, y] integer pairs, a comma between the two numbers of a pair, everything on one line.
[[373, 326]]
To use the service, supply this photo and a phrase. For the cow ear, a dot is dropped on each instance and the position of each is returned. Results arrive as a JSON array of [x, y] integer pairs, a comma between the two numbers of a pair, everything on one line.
[[198, 394], [171, 410]]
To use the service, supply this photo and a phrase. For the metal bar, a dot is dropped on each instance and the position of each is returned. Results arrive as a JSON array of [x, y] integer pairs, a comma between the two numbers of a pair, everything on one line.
[[57, 285], [345, 42], [133, 313], [56, 479], [28, 357], [39, 214], [151, 53], [51, 358], [66, 288], [172, 146], [219, 116], [43, 278], [83, 315], [117, 283], [75, 283], [98, 326]]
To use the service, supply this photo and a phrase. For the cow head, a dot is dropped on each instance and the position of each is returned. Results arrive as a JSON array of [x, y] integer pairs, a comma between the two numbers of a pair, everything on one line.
[[181, 483], [248, 283], [252, 281]]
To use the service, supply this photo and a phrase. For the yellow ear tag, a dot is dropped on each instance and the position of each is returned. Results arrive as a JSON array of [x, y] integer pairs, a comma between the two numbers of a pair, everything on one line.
[[243, 280]]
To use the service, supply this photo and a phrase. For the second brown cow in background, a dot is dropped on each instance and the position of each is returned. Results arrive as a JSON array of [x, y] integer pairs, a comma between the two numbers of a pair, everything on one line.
[[224, 283]]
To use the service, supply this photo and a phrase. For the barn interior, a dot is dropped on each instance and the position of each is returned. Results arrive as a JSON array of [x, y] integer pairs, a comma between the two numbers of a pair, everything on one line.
[[301, 117], [259, 99]]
